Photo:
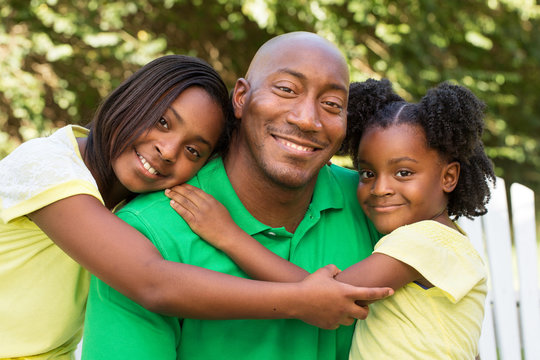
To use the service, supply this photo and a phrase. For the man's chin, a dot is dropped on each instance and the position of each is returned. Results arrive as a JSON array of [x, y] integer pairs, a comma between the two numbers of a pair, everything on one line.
[[292, 178]]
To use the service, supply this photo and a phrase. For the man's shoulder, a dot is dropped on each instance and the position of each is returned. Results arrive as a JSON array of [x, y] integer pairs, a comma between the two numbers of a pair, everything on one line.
[[146, 203], [152, 214], [343, 171], [343, 175]]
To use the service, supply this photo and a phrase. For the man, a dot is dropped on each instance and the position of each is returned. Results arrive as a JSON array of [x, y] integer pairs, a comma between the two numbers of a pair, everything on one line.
[[275, 183]]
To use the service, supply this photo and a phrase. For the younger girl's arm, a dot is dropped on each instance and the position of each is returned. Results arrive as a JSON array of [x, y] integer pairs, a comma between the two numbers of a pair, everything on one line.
[[122, 257], [211, 221]]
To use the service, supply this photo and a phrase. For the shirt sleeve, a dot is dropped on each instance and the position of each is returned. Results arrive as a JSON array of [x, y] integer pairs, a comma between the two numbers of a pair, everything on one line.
[[442, 255], [116, 328], [40, 172]]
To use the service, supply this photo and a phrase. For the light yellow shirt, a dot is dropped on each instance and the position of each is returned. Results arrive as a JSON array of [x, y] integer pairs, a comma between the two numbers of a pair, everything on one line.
[[42, 290], [442, 322]]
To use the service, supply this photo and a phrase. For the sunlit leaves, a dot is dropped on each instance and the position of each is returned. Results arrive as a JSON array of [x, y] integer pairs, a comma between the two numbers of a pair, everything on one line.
[[59, 58]]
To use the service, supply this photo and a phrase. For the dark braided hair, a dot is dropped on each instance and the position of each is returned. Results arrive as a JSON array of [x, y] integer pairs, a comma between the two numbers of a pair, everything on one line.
[[452, 120]]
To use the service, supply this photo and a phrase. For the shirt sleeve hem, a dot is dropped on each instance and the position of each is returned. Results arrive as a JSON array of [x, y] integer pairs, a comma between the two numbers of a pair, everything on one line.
[[49, 196]]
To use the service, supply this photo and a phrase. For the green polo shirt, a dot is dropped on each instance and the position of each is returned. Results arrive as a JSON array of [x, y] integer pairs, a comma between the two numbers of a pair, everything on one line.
[[334, 231]]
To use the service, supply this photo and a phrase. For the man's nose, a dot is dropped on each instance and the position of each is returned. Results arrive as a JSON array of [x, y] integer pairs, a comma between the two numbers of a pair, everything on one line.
[[305, 116]]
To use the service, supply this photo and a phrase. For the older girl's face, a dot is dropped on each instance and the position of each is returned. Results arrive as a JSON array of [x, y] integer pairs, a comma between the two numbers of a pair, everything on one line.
[[176, 148]]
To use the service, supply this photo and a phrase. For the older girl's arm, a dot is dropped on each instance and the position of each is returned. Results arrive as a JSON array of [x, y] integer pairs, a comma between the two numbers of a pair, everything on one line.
[[126, 260]]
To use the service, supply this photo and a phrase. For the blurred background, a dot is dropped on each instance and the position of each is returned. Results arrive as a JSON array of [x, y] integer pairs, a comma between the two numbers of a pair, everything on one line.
[[59, 58]]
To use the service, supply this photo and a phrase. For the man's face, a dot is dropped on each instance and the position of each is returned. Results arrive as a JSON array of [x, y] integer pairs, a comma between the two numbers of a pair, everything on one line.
[[293, 112]]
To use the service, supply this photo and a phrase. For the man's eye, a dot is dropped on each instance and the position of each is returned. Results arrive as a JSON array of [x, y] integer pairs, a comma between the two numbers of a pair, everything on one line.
[[333, 104], [286, 89], [163, 122]]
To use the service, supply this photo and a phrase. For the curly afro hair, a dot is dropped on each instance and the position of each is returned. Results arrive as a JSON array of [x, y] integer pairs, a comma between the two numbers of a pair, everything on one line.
[[452, 118]]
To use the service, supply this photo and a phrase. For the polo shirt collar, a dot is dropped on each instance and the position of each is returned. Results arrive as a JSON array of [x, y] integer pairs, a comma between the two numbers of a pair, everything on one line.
[[212, 178], [328, 193]]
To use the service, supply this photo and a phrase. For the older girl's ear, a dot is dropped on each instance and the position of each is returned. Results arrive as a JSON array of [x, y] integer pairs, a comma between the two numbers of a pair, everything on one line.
[[450, 176]]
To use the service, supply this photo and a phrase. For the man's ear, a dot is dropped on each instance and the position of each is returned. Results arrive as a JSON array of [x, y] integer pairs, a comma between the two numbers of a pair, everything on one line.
[[450, 176], [239, 96]]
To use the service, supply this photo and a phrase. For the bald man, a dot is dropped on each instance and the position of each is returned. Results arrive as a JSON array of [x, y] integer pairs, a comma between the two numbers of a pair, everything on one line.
[[277, 186]]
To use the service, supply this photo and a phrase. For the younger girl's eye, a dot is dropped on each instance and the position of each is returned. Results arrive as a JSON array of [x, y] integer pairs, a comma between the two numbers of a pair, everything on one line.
[[365, 174], [404, 173], [163, 122]]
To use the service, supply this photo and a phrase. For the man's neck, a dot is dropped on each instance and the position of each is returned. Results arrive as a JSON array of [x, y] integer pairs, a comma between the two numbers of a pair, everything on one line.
[[270, 203]]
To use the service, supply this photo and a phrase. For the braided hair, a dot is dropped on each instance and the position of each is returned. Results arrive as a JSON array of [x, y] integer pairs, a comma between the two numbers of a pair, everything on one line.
[[452, 119]]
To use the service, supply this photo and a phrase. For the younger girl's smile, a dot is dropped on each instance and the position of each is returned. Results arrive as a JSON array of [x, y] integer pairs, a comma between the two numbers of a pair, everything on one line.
[[401, 179]]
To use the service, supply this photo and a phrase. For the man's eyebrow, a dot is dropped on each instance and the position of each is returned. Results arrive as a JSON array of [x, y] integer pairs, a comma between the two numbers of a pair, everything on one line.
[[301, 76], [181, 121], [292, 72]]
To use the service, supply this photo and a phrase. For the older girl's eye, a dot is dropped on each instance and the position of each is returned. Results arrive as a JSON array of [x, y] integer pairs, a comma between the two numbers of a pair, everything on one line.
[[163, 122], [193, 152]]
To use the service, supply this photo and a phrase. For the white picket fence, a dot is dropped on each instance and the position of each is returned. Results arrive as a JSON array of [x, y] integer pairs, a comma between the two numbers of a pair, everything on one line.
[[511, 328]]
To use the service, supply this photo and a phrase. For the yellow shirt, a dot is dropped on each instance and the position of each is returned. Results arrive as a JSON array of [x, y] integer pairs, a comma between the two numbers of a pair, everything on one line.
[[42, 290], [442, 322]]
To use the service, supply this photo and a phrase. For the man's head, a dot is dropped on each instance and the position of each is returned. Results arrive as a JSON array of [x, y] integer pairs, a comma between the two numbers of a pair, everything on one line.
[[292, 105]]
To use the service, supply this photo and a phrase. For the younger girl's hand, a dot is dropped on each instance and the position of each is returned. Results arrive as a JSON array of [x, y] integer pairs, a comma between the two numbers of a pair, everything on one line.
[[206, 216]]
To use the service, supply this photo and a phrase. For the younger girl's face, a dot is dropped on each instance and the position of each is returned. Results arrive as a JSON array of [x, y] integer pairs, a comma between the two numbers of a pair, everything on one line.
[[402, 181], [176, 148]]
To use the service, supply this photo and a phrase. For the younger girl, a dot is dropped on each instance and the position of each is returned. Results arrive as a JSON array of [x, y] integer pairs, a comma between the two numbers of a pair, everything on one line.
[[156, 130], [419, 165]]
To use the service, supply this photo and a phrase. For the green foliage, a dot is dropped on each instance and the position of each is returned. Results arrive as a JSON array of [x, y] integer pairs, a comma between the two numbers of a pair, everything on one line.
[[59, 58]]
